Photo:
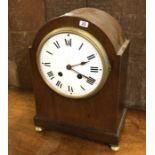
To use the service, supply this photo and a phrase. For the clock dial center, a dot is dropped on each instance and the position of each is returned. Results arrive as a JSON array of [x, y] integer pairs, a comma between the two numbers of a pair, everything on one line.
[[68, 67]]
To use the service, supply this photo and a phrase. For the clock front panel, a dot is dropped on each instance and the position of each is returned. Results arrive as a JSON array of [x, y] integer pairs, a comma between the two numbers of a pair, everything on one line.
[[71, 65]]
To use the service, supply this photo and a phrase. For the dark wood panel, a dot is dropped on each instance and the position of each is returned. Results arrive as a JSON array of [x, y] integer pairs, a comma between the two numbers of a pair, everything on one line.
[[20, 56], [21, 40], [135, 94], [26, 15], [113, 7], [25, 18], [56, 8], [23, 140], [10, 44], [133, 22]]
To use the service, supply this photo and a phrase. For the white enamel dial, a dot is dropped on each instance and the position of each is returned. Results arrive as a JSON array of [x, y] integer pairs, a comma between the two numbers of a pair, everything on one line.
[[71, 65]]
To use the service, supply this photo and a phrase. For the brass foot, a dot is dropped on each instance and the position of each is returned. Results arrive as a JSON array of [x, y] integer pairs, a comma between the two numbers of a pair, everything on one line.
[[38, 129], [115, 148]]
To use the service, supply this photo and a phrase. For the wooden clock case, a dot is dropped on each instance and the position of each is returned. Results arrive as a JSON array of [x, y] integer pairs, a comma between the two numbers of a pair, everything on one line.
[[101, 116]]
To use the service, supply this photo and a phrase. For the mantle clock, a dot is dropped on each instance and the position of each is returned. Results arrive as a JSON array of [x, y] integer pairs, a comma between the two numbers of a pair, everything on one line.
[[79, 67]]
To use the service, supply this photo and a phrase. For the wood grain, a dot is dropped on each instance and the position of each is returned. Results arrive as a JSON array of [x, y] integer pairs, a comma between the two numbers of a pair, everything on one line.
[[23, 140], [102, 115]]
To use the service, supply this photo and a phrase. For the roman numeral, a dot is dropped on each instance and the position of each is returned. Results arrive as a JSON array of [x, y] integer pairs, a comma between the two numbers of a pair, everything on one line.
[[59, 84], [56, 44], [82, 87], [80, 46], [49, 52], [94, 69], [70, 89], [47, 64], [91, 57], [90, 80], [50, 74], [68, 42]]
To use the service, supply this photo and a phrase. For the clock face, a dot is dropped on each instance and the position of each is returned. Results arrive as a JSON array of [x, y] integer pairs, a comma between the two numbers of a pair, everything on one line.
[[70, 63]]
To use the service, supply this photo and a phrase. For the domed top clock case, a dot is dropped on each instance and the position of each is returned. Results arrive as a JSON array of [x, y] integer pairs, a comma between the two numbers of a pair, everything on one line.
[[78, 63]]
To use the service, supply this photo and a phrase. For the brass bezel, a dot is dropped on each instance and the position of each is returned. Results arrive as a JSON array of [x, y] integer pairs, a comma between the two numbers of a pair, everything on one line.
[[100, 49]]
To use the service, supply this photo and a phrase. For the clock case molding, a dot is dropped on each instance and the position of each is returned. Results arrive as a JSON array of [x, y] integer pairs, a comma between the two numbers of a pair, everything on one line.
[[99, 117]]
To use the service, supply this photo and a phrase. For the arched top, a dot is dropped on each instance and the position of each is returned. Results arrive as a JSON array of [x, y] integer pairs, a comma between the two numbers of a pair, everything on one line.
[[104, 21]]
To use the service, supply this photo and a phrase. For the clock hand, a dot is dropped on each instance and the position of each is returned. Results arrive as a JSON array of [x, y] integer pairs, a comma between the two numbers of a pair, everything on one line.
[[82, 63], [69, 67], [80, 74]]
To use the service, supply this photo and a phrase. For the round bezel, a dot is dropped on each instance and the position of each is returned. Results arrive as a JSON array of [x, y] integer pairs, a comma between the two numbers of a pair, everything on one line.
[[100, 49]]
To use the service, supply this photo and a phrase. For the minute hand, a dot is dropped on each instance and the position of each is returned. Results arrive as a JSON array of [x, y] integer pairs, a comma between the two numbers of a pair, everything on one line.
[[80, 73]]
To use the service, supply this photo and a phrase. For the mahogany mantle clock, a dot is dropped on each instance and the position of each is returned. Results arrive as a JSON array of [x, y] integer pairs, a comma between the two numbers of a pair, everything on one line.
[[79, 67]]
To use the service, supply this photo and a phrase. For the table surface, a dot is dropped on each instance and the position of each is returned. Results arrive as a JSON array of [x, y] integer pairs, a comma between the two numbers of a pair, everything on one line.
[[23, 140]]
